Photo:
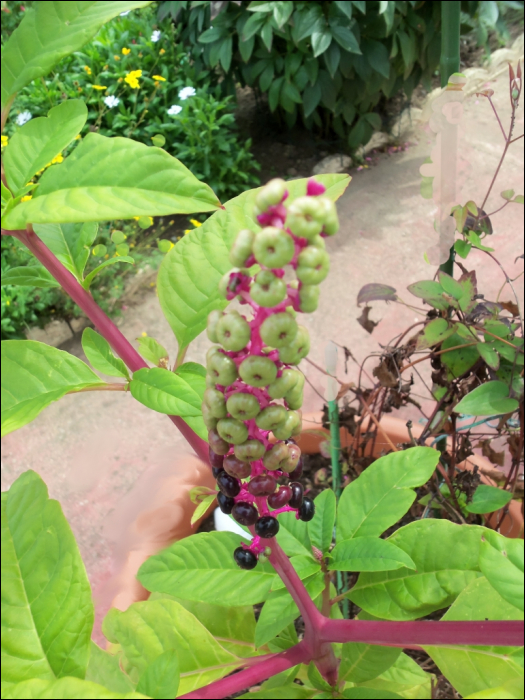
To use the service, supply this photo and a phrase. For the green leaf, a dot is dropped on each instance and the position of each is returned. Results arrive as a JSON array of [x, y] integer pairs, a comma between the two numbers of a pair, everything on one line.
[[47, 34], [368, 554], [29, 277], [489, 399], [376, 54], [365, 693], [266, 35], [518, 199], [507, 194], [100, 355], [373, 119], [346, 39], [112, 261], [305, 566], [512, 690], [279, 610], [291, 691], [33, 376], [202, 568], [362, 662], [293, 535], [501, 561], [47, 611], [70, 243], [446, 558], [450, 285], [345, 7], [321, 40], [321, 528], [490, 356], [36, 143], [311, 98], [487, 499], [430, 291], [384, 492], [361, 5], [436, 331], [203, 506], [104, 668], [152, 350], [65, 689], [475, 240], [148, 629], [461, 360], [473, 669], [189, 275], [404, 677], [113, 178], [162, 676], [462, 248], [317, 680]]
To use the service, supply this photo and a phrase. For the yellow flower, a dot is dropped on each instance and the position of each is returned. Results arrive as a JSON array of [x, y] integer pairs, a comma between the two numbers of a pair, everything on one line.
[[7, 303], [144, 334], [78, 137], [195, 223], [99, 87], [159, 77], [5, 140], [87, 69], [131, 78], [117, 58], [57, 159], [162, 51], [126, 51], [189, 230], [26, 198]]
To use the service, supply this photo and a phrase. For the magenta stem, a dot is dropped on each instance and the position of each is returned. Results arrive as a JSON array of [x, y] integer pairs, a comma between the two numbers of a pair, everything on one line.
[[104, 325]]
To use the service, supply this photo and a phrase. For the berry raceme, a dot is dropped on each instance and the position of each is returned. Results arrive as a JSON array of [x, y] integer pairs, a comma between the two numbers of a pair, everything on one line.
[[253, 391]]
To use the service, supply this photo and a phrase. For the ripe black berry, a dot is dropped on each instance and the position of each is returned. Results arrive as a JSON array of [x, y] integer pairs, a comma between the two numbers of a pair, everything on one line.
[[244, 558], [244, 513], [225, 503], [307, 509], [262, 485], [216, 471], [297, 494], [267, 526], [298, 471], [229, 485]]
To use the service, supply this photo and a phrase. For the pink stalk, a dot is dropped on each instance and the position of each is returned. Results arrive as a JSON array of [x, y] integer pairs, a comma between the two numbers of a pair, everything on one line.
[[104, 325]]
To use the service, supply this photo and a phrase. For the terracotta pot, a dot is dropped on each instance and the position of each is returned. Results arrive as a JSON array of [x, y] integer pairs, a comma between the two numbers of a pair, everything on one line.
[[396, 430]]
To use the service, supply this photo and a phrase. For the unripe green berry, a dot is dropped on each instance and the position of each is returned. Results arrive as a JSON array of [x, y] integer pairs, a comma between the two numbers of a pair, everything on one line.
[[313, 265], [278, 455], [279, 330], [271, 417], [304, 218], [268, 290], [258, 371], [211, 328], [221, 368], [242, 247], [298, 349], [215, 401], [249, 451], [308, 298], [228, 283], [318, 242], [330, 218], [273, 247], [291, 426], [294, 398], [233, 332], [294, 456], [283, 384], [232, 430], [243, 406], [209, 420], [271, 194]]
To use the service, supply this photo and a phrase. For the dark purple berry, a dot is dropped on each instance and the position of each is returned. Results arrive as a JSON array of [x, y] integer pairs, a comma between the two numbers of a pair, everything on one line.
[[225, 503], [236, 468], [307, 509], [216, 471], [244, 513], [297, 494], [267, 526], [262, 485], [298, 471], [244, 558], [217, 444], [229, 485], [280, 498], [215, 459]]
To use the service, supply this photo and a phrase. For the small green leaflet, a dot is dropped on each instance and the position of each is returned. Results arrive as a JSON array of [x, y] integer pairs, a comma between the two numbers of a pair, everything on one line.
[[100, 355], [152, 350], [489, 399], [487, 499]]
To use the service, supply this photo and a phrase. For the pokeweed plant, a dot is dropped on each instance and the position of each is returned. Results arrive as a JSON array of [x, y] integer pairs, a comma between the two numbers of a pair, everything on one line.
[[198, 624]]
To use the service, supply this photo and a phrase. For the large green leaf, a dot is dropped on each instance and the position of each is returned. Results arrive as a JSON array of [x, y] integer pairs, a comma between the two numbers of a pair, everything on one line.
[[202, 568], [174, 393], [36, 276], [104, 668], [162, 676], [446, 558], [70, 243], [33, 376], [99, 353], [404, 677], [362, 662], [368, 694], [113, 178], [191, 271], [321, 528], [65, 689], [293, 535], [368, 554], [489, 399], [384, 492], [511, 690], [33, 146], [473, 669], [501, 561], [47, 33], [150, 628], [290, 691], [47, 611]]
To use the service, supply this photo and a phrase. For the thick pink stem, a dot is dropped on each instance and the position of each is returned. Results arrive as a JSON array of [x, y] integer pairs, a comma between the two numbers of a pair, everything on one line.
[[104, 325], [301, 653]]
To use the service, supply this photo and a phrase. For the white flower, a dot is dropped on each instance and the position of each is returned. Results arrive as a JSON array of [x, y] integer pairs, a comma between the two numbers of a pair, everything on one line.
[[186, 92], [23, 117], [174, 109], [123, 14], [155, 36], [111, 101]]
